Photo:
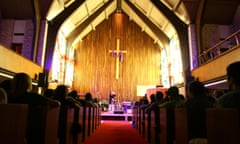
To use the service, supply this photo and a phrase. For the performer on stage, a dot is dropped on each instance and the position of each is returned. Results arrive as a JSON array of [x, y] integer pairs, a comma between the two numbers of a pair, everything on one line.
[[111, 101], [111, 97]]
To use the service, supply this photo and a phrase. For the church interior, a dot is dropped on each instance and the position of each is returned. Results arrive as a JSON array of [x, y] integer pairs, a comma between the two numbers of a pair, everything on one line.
[[128, 49]]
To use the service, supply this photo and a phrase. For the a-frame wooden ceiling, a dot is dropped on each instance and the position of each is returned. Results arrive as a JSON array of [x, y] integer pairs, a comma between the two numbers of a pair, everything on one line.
[[145, 13]]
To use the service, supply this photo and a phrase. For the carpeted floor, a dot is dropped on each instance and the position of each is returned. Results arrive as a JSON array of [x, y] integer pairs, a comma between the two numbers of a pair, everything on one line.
[[115, 132]]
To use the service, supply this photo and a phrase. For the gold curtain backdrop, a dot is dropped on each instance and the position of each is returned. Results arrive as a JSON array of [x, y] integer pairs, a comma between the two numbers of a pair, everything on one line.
[[95, 67]]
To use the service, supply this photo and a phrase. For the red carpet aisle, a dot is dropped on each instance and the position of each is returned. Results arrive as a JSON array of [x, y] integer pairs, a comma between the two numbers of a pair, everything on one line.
[[115, 132]]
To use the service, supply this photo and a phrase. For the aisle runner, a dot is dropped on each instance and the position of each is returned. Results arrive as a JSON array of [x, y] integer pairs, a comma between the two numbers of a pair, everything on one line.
[[115, 132]]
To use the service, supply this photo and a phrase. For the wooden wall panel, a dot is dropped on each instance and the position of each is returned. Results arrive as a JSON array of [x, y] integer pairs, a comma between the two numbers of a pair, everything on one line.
[[95, 67]]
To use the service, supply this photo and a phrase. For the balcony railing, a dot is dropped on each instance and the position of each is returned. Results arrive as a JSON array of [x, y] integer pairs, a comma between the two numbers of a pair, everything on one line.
[[224, 46]]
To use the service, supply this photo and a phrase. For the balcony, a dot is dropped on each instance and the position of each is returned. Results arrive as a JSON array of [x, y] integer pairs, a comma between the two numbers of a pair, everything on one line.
[[213, 61]]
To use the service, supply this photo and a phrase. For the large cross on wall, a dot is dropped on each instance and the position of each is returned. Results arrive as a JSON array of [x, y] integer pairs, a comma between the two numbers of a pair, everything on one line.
[[118, 54]]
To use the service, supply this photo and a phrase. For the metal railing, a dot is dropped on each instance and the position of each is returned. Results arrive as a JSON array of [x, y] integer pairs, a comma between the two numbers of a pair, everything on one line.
[[222, 47]]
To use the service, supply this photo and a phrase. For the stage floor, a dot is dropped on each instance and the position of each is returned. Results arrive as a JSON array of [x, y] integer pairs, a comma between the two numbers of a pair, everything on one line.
[[114, 116]]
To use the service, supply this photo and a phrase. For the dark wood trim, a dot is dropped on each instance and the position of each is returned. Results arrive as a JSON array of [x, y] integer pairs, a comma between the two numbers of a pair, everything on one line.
[[151, 25], [72, 36]]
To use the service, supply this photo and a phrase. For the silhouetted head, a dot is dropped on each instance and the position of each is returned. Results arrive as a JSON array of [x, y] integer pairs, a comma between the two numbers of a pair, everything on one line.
[[61, 92], [173, 92], [159, 96], [73, 94], [21, 83], [233, 75], [88, 96], [196, 88], [152, 98]]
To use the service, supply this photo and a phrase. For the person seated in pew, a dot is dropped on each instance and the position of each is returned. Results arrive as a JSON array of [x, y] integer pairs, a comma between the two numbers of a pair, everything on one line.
[[196, 105], [61, 94], [88, 100], [3, 96], [73, 94], [232, 98], [154, 106], [5, 86], [144, 102], [175, 99], [197, 96], [49, 93], [156, 103], [21, 92]]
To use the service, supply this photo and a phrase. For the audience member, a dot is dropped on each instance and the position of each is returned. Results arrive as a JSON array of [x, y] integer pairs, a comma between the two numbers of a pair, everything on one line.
[[144, 103], [156, 101], [6, 85], [21, 92], [196, 105], [197, 97], [89, 100], [4, 90], [73, 94], [3, 96], [49, 93], [232, 98], [61, 94], [218, 93], [174, 98]]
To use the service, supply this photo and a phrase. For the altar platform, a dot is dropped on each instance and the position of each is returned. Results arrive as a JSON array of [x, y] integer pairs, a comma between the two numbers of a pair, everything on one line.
[[116, 116]]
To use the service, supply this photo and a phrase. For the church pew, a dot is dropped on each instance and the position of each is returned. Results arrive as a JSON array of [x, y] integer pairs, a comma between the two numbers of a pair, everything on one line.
[[13, 123], [70, 121], [147, 125], [134, 117], [142, 115], [42, 126], [153, 124], [78, 138], [181, 126], [137, 118], [90, 113], [223, 126], [93, 119], [167, 126], [66, 121], [190, 126], [86, 125], [98, 116], [140, 120]]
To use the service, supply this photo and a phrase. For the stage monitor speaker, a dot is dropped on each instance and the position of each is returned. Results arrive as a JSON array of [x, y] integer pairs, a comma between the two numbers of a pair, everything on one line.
[[42, 80]]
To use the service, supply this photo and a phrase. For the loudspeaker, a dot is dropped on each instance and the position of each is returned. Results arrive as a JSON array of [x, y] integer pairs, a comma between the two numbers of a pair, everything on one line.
[[42, 80]]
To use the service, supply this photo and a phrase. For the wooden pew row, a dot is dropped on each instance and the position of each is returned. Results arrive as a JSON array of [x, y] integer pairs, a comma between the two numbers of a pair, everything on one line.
[[42, 126], [134, 117], [13, 123], [147, 125], [181, 126], [22, 124], [222, 126], [28, 124], [139, 122], [163, 126]]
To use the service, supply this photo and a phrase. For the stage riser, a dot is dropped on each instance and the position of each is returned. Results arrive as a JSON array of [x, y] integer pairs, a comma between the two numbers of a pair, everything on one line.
[[123, 118]]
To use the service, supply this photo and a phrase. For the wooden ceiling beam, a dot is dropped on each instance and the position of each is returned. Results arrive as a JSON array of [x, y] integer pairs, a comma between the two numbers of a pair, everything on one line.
[[160, 35], [73, 35]]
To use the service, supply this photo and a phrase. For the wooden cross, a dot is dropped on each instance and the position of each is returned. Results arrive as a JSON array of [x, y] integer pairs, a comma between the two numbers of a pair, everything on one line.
[[118, 54]]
